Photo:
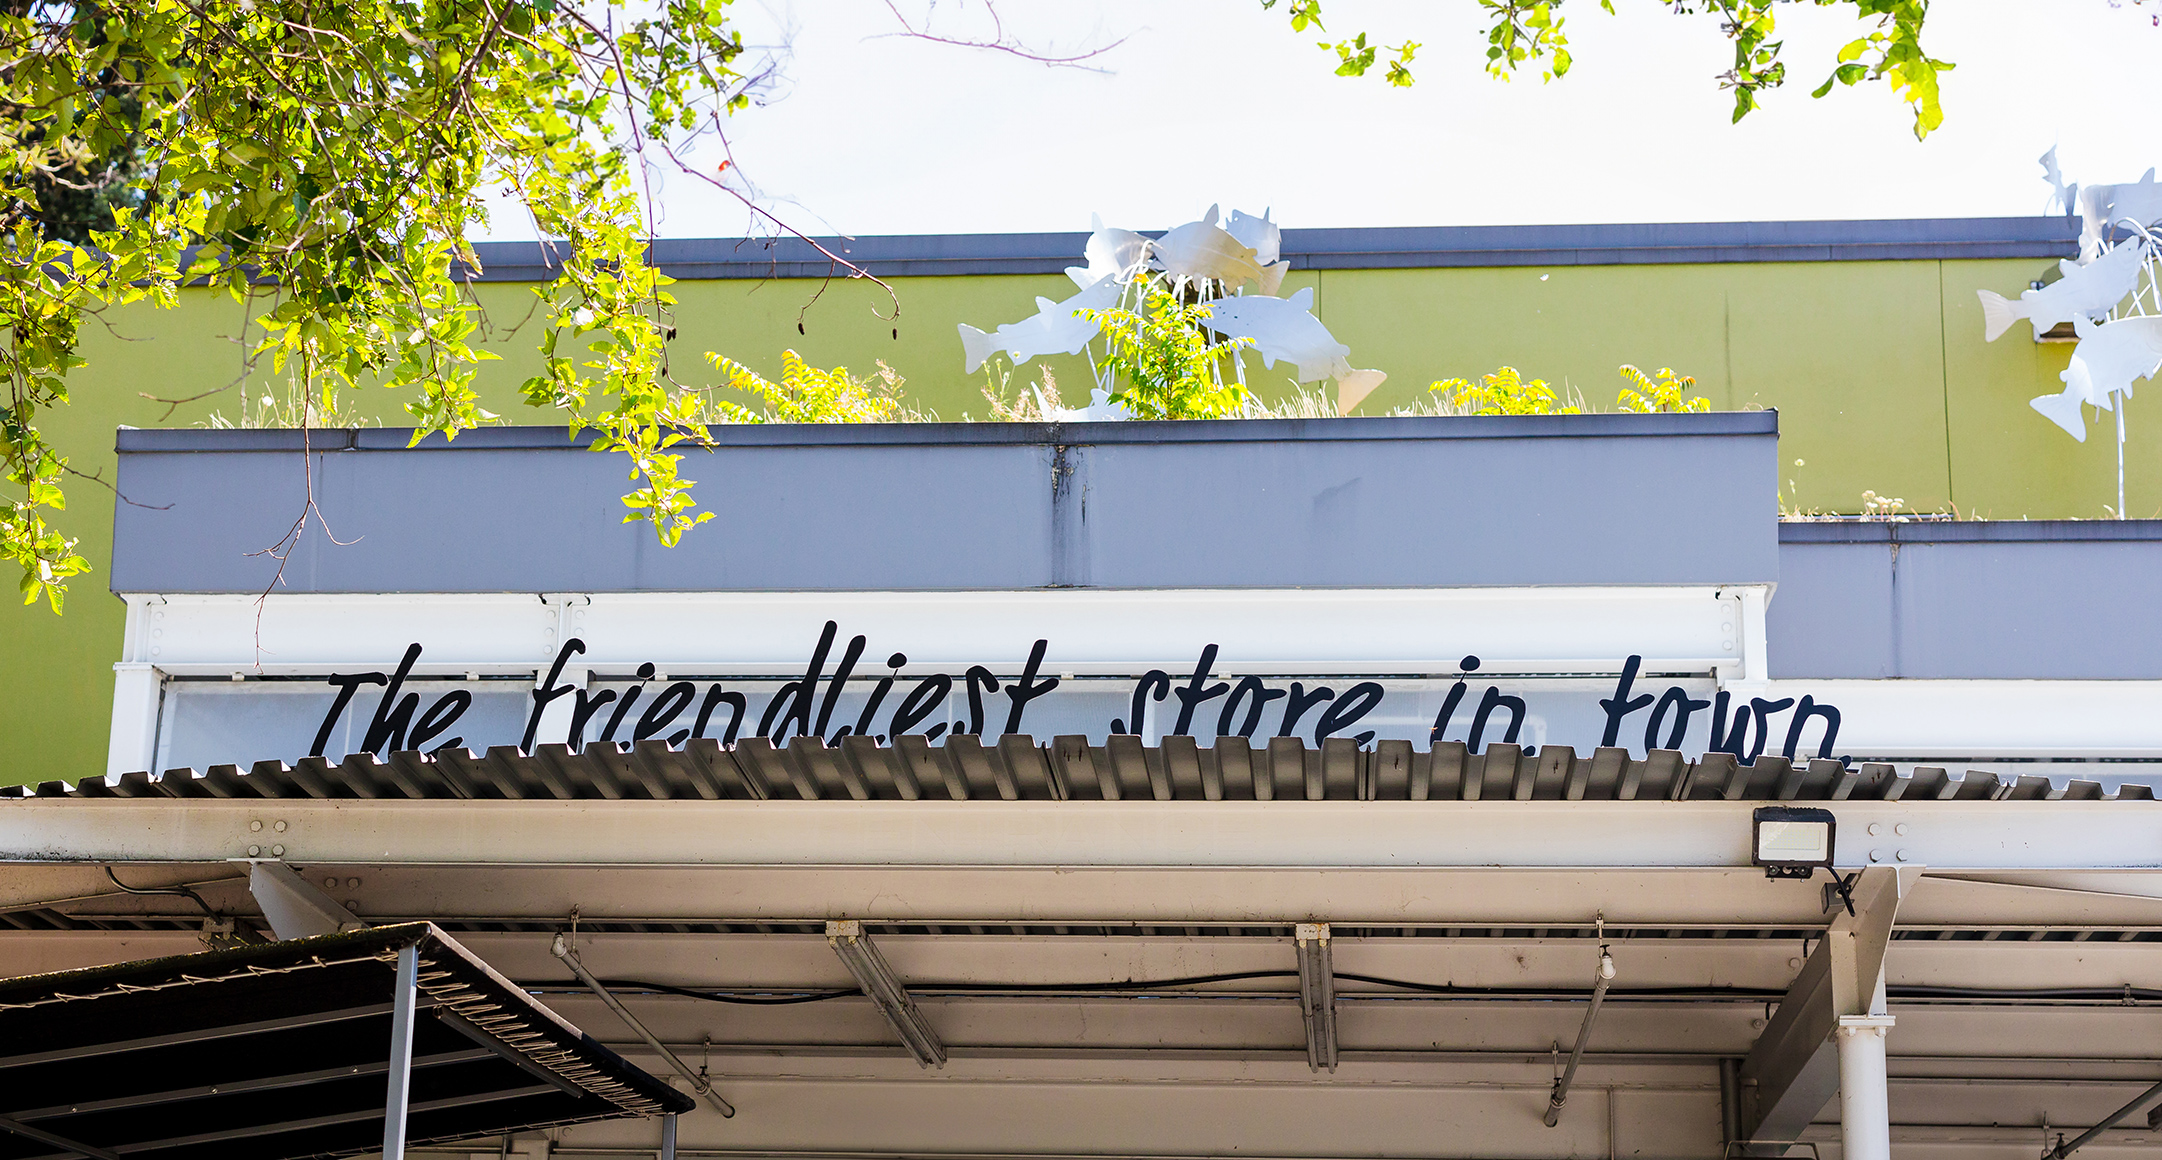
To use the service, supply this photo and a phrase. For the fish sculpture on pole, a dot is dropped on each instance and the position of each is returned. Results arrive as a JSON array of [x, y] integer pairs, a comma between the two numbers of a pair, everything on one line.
[[1055, 327], [2090, 291], [2112, 296], [1233, 270]]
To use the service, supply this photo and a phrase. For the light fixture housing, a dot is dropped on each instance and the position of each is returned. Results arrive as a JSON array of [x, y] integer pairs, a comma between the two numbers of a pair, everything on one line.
[[885, 990], [1792, 841]]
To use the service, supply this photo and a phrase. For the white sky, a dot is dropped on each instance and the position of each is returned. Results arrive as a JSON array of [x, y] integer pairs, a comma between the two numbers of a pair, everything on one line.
[[1217, 101]]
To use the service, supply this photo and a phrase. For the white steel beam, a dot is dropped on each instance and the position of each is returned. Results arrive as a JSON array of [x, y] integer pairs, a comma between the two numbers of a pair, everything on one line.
[[1794, 1069], [1949, 835]]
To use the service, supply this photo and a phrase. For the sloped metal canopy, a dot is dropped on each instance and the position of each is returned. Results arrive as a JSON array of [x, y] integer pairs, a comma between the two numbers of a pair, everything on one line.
[[1016, 767], [284, 1050]]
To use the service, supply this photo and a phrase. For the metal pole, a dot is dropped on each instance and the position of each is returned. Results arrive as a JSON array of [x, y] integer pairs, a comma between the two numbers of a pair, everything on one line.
[[1865, 1113], [2120, 453], [668, 1136], [562, 950], [1583, 1036], [1730, 1101], [2063, 1150], [401, 1052]]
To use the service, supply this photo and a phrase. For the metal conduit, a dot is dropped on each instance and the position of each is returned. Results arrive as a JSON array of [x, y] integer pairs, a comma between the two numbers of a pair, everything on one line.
[[562, 950], [1583, 1036], [2064, 1149]]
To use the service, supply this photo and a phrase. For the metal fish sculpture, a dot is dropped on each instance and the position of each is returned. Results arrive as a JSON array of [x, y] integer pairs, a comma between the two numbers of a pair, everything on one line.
[[1110, 253], [1056, 327], [1204, 249], [2109, 358], [1282, 328], [1257, 233], [2103, 208], [2067, 196], [2083, 292]]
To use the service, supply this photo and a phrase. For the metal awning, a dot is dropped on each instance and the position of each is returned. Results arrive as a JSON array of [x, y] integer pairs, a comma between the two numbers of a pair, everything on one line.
[[295, 1049], [1016, 767]]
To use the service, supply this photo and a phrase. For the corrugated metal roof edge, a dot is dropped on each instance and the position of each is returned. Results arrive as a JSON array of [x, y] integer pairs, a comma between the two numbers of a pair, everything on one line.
[[1352, 429], [1017, 767], [1659, 243]]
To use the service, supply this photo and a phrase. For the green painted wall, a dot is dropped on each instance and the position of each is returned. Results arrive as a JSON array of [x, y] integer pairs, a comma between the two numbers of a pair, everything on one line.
[[1878, 370]]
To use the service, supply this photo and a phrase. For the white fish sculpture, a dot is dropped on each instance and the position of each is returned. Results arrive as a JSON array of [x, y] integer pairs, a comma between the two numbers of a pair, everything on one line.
[[1111, 254], [1203, 249], [2109, 358], [2083, 292], [2067, 196], [1056, 327], [1268, 246], [1257, 233], [2103, 208], [1352, 389], [1282, 328]]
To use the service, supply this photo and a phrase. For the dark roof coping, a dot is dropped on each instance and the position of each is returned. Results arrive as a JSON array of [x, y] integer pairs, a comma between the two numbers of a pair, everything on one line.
[[1966, 531], [1404, 247], [1358, 429]]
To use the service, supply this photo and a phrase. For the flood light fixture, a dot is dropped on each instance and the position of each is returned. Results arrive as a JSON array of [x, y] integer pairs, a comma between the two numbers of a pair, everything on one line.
[[1791, 841]]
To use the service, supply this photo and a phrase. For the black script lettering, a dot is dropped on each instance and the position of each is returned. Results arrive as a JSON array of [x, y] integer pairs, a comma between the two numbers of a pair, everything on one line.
[[1299, 703], [716, 697], [1722, 740], [630, 697], [1357, 702], [1028, 688], [1762, 710], [393, 714], [796, 696], [583, 710], [1198, 691], [1494, 699], [549, 690], [1802, 713], [663, 712], [1675, 697], [925, 699], [878, 694], [1155, 683], [1622, 704], [1448, 712], [1257, 695], [1737, 741], [1469, 664], [980, 681], [849, 657], [439, 717], [348, 684]]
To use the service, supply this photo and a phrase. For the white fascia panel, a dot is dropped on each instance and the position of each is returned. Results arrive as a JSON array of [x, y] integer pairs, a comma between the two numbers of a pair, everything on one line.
[[1387, 631], [1985, 719]]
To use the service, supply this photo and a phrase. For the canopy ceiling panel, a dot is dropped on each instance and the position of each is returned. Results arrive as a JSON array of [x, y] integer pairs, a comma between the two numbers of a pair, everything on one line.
[[285, 1050]]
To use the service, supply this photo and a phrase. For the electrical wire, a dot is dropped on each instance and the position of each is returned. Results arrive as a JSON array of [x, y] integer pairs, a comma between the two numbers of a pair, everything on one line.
[[181, 892], [779, 997]]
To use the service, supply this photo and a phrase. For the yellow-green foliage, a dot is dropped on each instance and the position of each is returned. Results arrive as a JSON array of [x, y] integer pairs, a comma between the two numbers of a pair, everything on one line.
[[1505, 392], [1668, 394], [1170, 368], [806, 394]]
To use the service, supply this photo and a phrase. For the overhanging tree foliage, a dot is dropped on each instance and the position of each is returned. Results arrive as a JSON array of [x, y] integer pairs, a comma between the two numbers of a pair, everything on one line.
[[336, 152]]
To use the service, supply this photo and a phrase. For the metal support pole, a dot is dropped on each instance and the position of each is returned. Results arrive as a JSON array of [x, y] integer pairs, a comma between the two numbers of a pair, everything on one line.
[[400, 1094], [562, 950], [1730, 1102], [668, 1136], [1865, 1113], [1560, 1096]]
